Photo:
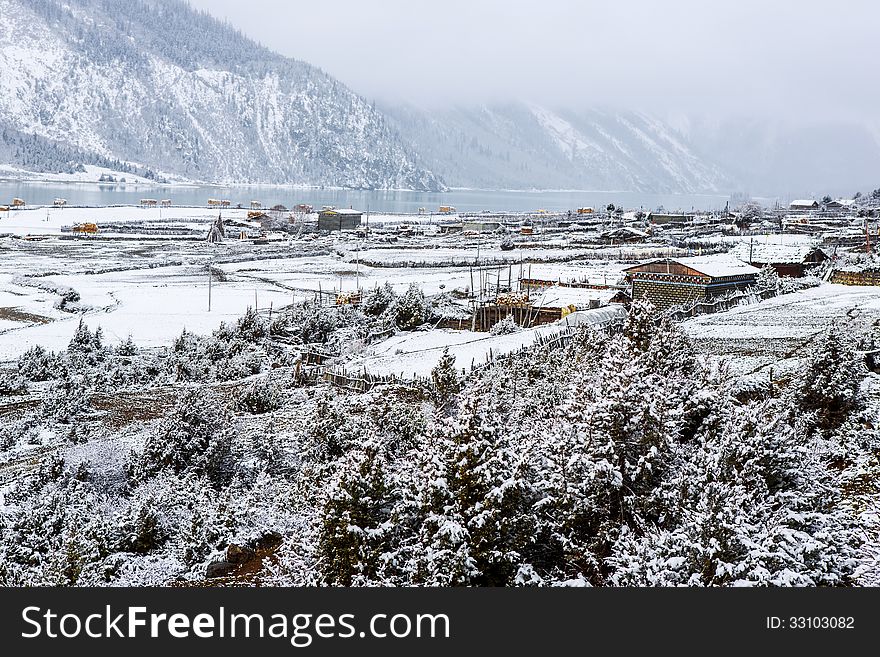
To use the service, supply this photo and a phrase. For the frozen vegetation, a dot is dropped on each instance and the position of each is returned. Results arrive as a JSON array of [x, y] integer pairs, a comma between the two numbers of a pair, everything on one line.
[[623, 459]]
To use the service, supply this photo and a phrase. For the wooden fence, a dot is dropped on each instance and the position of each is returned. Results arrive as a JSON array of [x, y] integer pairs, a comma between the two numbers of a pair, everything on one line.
[[363, 381], [720, 304]]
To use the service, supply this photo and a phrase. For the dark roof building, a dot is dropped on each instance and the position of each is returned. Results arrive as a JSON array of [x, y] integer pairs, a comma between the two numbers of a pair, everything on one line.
[[339, 219], [666, 282], [661, 218], [786, 259]]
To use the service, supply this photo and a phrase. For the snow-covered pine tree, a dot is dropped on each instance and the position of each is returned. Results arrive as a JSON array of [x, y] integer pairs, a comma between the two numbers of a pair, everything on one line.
[[828, 386], [412, 309], [356, 519], [478, 527], [640, 325], [767, 278], [444, 378], [194, 437]]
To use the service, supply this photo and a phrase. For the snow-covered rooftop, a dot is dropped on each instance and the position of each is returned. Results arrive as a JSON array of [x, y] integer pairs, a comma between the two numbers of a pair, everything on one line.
[[772, 253], [579, 297], [803, 203], [716, 266]]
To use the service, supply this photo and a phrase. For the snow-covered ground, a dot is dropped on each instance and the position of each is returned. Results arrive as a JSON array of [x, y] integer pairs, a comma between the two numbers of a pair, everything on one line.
[[151, 285], [45, 221], [91, 174], [770, 333]]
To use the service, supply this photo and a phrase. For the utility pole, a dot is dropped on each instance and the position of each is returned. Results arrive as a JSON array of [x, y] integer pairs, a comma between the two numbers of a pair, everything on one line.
[[209, 287]]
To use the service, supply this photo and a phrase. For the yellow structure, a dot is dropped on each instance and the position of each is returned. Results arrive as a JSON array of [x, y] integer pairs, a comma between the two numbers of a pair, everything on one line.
[[446, 209], [18, 202], [348, 298], [585, 210], [88, 228]]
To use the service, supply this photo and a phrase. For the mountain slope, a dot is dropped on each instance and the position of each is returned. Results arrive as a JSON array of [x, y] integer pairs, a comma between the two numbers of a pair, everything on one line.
[[158, 84], [525, 146], [792, 158]]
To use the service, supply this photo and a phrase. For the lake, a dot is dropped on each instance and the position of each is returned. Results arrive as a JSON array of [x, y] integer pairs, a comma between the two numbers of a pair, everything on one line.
[[93, 194]]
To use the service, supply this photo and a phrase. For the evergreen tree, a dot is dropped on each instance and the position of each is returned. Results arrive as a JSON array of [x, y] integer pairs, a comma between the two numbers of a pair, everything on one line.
[[828, 387], [444, 378], [412, 309], [767, 278], [356, 519], [195, 437]]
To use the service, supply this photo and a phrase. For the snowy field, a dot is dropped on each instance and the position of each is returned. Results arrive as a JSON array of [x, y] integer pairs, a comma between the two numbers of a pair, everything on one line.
[[151, 286], [775, 332]]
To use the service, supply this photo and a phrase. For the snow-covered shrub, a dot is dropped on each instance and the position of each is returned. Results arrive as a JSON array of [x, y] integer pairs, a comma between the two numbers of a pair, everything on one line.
[[828, 387], [65, 400], [444, 378], [506, 326], [12, 383], [379, 300], [251, 326], [239, 366], [412, 309], [259, 396], [145, 532], [37, 364], [194, 438], [788, 284], [331, 428]]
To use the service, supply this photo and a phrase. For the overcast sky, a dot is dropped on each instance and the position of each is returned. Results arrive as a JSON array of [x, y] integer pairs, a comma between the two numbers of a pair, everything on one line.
[[785, 57]]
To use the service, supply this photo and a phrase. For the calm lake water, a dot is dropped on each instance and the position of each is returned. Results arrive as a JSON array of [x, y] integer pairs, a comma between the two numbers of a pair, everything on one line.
[[91, 194]]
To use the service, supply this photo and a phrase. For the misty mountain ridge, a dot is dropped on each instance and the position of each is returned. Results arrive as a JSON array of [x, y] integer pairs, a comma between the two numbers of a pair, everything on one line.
[[155, 88], [522, 145]]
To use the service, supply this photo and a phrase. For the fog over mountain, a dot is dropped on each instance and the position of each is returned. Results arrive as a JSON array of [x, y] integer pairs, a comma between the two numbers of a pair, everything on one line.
[[479, 95]]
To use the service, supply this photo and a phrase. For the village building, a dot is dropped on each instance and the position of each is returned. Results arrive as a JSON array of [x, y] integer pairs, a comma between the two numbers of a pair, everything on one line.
[[662, 218], [804, 204], [840, 204], [786, 259], [568, 299], [666, 282], [480, 226], [339, 219], [624, 235]]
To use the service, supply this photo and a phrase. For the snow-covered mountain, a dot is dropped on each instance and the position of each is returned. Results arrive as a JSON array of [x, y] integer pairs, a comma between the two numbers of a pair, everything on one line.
[[791, 157], [155, 89], [165, 88], [529, 146]]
